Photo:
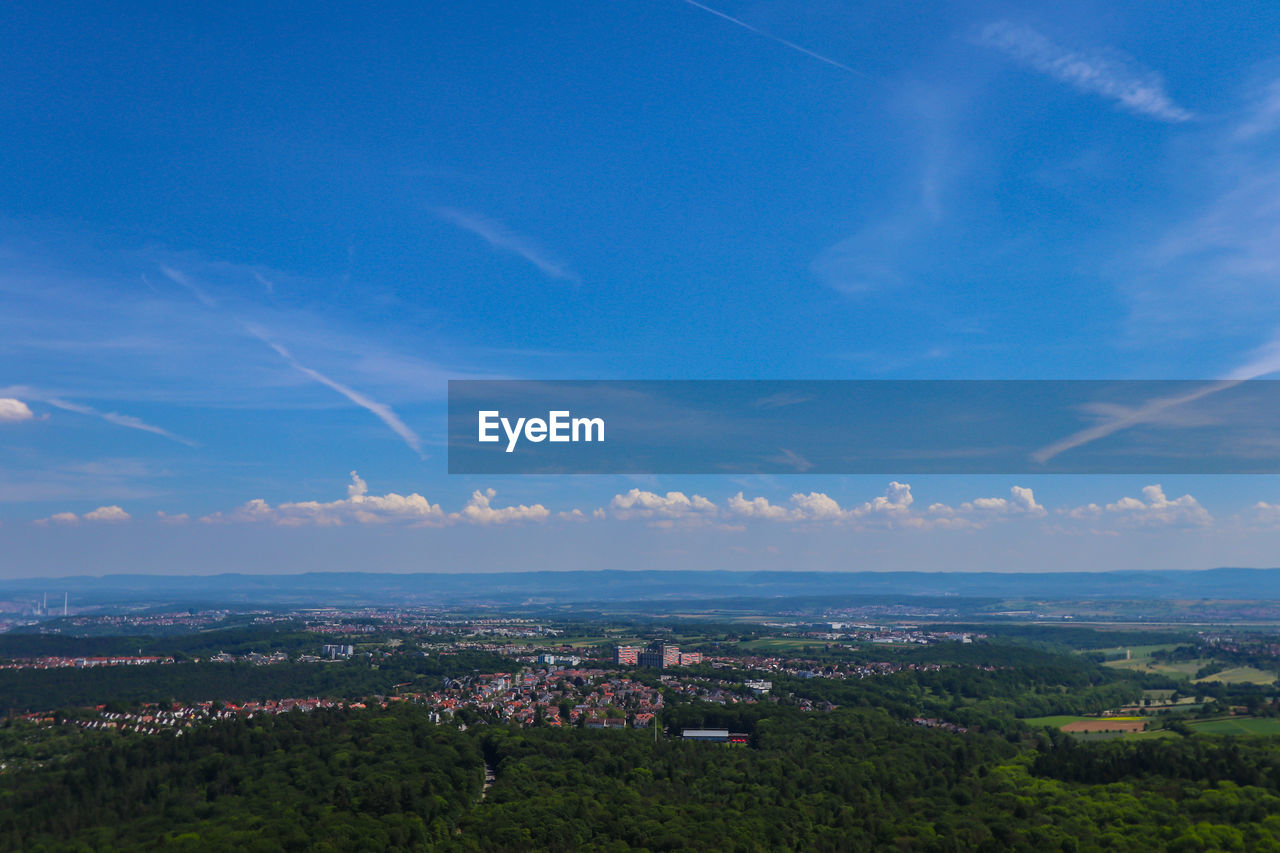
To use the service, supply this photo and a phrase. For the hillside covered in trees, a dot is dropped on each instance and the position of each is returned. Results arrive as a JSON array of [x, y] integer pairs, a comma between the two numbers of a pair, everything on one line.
[[855, 779]]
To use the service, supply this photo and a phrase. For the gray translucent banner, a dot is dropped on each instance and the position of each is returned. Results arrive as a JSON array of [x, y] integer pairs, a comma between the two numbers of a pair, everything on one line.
[[864, 427]]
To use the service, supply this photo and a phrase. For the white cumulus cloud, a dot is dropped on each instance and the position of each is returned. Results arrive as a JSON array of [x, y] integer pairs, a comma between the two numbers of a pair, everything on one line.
[[638, 503], [358, 506], [981, 511], [111, 513], [60, 518], [757, 508], [107, 513], [819, 506], [1267, 513], [13, 410], [896, 500], [1155, 508], [1020, 500], [479, 510], [814, 506]]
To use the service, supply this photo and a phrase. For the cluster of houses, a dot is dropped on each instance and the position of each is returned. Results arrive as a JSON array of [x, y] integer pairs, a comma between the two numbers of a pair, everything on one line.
[[553, 689], [939, 724], [153, 718], [549, 695], [373, 621], [802, 668], [85, 662], [126, 623], [256, 658], [1260, 645]]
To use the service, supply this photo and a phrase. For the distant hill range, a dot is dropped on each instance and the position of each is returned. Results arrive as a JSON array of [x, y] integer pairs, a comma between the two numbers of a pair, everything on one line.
[[349, 588]]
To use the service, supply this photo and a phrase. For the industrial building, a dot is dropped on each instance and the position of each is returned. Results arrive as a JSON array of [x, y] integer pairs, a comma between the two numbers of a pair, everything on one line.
[[715, 736]]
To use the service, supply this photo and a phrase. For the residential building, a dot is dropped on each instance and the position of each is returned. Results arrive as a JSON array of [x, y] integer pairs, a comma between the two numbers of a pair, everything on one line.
[[559, 660]]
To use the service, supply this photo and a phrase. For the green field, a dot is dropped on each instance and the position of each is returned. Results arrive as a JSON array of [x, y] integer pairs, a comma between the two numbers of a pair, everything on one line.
[[1137, 653], [1147, 735], [584, 640], [1183, 669], [1139, 660], [1241, 675], [1054, 722], [775, 644], [1061, 720], [1239, 726], [1188, 670]]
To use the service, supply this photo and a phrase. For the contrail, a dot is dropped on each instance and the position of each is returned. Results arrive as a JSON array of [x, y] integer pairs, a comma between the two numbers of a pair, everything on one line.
[[181, 279], [381, 410], [1145, 413], [500, 237], [116, 418], [1266, 363], [828, 60]]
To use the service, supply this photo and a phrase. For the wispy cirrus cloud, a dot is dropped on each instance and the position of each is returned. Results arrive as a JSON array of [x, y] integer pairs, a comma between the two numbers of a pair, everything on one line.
[[1108, 74], [890, 249], [184, 281], [381, 410], [500, 237], [127, 421], [1199, 277]]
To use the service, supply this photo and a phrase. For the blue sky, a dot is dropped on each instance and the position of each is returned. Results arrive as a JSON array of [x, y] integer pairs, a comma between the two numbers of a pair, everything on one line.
[[242, 250]]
